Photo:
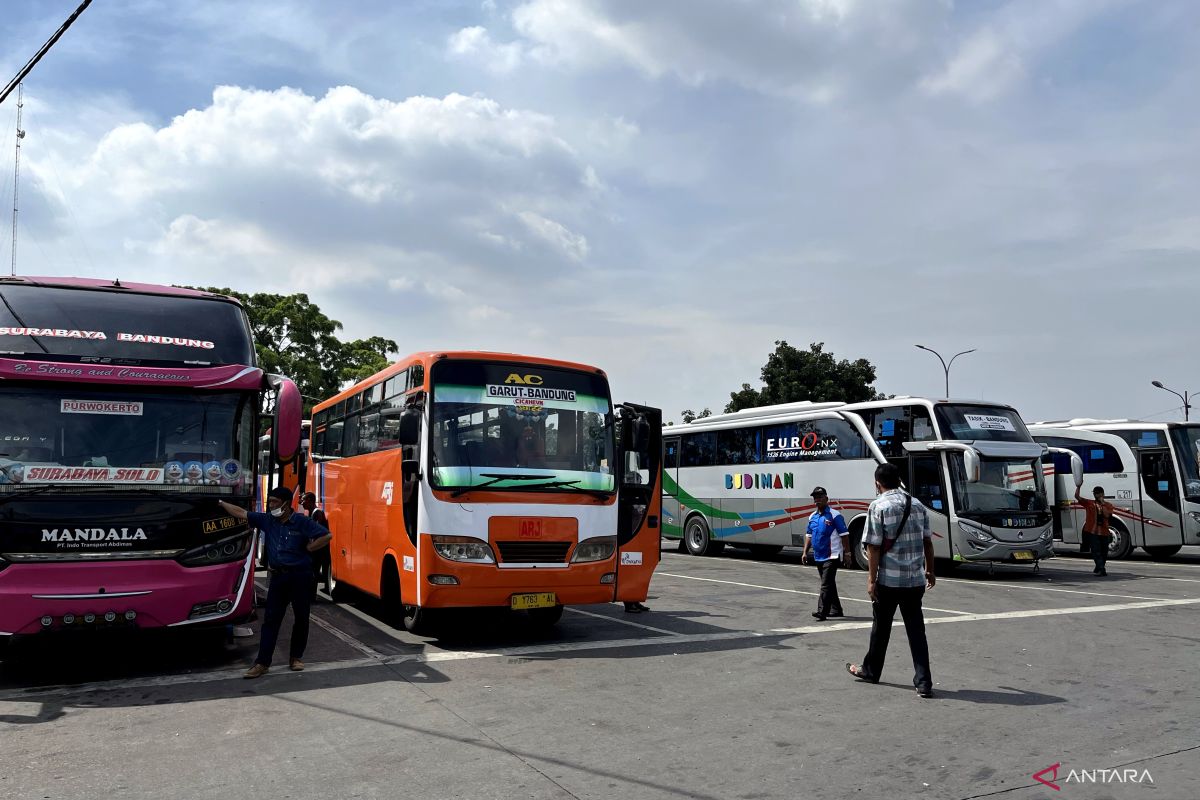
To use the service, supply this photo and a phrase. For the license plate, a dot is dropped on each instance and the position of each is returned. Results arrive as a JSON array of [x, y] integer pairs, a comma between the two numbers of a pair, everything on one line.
[[524, 602], [1023, 555]]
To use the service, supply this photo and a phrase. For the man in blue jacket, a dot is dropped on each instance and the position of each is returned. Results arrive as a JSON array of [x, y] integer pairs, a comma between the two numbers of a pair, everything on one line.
[[290, 540], [829, 544]]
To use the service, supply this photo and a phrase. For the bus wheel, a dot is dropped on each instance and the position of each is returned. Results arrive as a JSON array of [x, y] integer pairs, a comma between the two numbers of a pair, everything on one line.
[[765, 550], [1121, 545], [1162, 552], [698, 540], [419, 621], [859, 549]]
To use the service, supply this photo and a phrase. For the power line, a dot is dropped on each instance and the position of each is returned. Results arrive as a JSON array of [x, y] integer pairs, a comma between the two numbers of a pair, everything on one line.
[[31, 63]]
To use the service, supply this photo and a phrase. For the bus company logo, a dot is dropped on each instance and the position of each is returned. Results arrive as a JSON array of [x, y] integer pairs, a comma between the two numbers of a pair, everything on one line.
[[1049, 776], [524, 380], [61, 535], [810, 445], [761, 480], [530, 529]]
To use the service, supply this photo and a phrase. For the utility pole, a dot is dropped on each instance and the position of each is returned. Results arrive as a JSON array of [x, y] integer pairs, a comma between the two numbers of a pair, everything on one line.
[[17, 173]]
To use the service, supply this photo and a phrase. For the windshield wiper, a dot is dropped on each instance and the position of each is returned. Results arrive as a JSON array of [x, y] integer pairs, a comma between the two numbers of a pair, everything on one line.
[[599, 495], [496, 477]]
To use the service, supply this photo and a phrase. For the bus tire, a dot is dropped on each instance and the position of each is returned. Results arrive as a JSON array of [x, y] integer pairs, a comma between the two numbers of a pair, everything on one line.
[[1122, 544], [419, 621], [681, 545], [1162, 552], [698, 539], [765, 550], [857, 547], [394, 610]]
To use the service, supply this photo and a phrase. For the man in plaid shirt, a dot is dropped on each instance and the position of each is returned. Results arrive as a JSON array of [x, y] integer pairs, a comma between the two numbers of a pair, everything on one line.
[[900, 554]]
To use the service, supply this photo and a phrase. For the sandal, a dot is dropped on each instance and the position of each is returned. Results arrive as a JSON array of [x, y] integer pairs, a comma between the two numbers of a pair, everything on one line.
[[857, 672]]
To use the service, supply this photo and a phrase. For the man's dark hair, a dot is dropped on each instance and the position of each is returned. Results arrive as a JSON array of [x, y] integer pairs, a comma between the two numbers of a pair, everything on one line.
[[1098, 490], [888, 476]]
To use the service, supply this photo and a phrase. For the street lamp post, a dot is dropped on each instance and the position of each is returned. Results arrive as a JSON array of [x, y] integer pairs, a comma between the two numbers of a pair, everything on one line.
[[1184, 397], [945, 366]]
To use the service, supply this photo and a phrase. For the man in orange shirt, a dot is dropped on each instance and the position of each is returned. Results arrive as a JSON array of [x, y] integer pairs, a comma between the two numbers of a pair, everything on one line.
[[1095, 528]]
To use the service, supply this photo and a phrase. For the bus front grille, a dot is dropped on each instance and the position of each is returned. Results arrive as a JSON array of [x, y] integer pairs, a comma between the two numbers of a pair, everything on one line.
[[534, 552]]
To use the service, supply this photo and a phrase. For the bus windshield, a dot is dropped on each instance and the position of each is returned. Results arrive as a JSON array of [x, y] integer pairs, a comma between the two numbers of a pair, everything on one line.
[[1187, 440], [139, 328], [65, 438], [520, 427], [975, 423], [1005, 485]]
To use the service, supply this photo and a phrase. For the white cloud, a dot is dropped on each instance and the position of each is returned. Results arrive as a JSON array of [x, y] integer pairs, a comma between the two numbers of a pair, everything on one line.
[[475, 42], [981, 70], [574, 245]]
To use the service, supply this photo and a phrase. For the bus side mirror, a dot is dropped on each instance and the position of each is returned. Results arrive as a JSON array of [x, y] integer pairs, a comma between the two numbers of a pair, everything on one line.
[[971, 465], [641, 433], [288, 409], [1077, 470], [409, 431], [410, 469]]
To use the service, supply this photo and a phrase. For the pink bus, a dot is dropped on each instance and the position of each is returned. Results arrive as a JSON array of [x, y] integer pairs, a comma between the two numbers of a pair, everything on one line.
[[126, 412]]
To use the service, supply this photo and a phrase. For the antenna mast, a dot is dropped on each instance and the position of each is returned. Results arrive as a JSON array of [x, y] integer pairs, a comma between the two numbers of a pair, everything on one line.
[[17, 173]]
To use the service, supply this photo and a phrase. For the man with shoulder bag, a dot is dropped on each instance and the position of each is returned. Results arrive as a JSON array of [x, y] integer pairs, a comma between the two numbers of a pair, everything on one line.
[[899, 547]]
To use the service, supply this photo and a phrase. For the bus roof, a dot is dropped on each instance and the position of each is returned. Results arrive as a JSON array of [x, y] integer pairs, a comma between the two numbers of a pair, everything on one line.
[[431, 356], [806, 408], [101, 284], [1084, 423]]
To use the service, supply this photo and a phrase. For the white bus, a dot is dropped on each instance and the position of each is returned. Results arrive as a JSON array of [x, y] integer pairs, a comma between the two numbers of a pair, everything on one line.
[[1147, 469], [744, 478]]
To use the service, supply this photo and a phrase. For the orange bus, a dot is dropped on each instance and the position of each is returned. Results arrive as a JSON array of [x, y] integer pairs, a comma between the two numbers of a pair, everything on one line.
[[474, 479]]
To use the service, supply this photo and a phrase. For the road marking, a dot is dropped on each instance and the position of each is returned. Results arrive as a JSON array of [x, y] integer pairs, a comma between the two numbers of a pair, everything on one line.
[[1038, 612], [1048, 589], [345, 637], [790, 591], [630, 623]]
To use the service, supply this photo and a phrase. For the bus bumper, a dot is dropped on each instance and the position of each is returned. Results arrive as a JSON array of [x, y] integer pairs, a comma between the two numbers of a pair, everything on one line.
[[488, 585], [1008, 552], [145, 594]]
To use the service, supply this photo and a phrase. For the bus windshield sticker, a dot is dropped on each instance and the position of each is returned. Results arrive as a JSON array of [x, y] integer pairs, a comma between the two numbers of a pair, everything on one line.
[[1148, 439], [128, 408], [52, 333], [120, 475], [527, 393], [989, 422]]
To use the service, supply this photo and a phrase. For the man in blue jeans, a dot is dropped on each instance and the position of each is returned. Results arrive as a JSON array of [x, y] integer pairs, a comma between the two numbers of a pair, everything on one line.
[[290, 541]]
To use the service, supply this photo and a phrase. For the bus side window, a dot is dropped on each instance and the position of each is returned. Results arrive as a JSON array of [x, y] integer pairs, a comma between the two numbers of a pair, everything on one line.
[[671, 454], [699, 450]]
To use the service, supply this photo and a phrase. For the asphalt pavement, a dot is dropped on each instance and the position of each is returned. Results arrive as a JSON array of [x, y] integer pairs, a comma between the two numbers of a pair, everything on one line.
[[728, 688]]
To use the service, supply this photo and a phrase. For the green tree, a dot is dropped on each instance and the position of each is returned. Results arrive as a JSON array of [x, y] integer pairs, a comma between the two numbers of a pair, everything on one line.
[[791, 375], [691, 416], [293, 337]]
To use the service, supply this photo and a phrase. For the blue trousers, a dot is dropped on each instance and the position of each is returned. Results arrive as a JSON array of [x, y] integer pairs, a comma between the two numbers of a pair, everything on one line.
[[286, 588]]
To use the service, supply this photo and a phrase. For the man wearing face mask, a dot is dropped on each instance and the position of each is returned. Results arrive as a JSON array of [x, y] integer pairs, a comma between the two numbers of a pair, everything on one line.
[[290, 541]]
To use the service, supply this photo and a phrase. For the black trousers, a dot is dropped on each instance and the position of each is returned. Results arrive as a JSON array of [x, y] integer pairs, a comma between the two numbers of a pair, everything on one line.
[[828, 602], [908, 600], [1099, 547], [286, 588]]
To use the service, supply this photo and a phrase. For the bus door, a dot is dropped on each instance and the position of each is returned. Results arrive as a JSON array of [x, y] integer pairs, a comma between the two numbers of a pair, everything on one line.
[[672, 522], [926, 484], [639, 500], [1159, 486]]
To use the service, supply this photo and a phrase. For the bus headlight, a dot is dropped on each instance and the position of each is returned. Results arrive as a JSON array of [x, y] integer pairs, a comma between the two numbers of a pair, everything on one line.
[[1195, 517], [235, 548], [600, 549], [975, 533], [463, 548]]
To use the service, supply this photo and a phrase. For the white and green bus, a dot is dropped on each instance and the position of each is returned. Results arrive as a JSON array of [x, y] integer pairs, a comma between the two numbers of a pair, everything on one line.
[[744, 479]]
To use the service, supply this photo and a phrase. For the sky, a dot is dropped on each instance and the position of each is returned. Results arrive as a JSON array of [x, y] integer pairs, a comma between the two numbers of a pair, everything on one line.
[[661, 188]]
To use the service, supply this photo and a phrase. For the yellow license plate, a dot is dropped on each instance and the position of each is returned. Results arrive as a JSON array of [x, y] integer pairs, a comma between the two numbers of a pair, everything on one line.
[[524, 602], [1023, 555]]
